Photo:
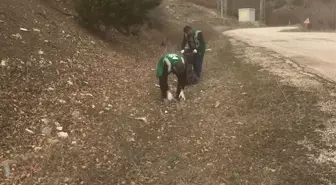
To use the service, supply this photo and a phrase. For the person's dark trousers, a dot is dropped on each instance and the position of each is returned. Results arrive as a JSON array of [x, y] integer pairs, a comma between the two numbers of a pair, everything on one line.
[[163, 82], [198, 65]]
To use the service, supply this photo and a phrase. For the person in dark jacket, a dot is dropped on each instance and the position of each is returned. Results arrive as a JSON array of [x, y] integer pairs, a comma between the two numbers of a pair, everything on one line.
[[194, 39]]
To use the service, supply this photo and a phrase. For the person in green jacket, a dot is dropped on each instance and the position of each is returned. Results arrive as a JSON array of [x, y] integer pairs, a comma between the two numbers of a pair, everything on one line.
[[196, 43], [171, 63]]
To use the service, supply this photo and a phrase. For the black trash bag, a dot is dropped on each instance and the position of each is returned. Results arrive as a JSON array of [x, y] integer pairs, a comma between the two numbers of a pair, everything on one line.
[[190, 59]]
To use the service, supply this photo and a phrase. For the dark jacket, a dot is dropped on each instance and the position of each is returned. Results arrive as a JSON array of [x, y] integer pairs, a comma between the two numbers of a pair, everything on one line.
[[201, 46]]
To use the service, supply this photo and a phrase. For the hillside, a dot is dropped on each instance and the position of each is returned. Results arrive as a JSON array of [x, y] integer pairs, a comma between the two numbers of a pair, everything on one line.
[[55, 76]]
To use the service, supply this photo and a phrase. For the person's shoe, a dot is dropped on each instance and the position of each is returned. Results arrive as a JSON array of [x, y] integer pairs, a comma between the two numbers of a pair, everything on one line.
[[166, 101], [196, 80]]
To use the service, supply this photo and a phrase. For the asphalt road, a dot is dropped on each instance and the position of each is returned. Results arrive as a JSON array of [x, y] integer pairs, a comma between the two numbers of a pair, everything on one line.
[[316, 51]]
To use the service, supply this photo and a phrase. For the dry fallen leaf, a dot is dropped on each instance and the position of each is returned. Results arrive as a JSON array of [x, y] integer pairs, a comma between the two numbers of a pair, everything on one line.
[[217, 104], [29, 131], [144, 119]]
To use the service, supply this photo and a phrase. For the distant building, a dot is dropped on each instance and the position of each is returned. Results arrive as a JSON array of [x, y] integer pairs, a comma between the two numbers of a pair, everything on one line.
[[235, 5]]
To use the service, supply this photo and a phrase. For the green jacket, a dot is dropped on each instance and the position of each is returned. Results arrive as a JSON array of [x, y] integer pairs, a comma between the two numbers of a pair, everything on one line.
[[199, 41], [169, 59]]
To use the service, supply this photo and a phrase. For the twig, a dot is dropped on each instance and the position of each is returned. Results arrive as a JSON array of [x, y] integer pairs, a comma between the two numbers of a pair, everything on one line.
[[282, 91], [64, 13], [44, 16]]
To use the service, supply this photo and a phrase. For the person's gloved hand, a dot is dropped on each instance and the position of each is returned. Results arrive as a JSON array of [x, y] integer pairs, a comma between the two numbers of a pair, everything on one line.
[[195, 51], [182, 51], [169, 96], [181, 95]]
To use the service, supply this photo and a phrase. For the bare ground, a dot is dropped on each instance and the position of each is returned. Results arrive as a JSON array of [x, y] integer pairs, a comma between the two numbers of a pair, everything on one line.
[[241, 125]]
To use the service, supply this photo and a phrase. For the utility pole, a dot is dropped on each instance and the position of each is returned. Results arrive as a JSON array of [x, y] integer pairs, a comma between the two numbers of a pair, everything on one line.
[[222, 9], [334, 24], [226, 7], [223, 4], [263, 11]]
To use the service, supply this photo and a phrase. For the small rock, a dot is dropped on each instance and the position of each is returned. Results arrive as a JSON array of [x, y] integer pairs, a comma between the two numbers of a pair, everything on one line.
[[50, 89], [57, 124], [40, 52], [217, 104], [37, 148], [62, 101], [23, 29], [46, 131], [239, 123], [333, 94], [59, 128], [131, 139], [75, 114], [74, 142], [244, 93], [16, 36], [36, 30], [3, 63], [45, 120], [63, 135], [69, 82], [166, 112]]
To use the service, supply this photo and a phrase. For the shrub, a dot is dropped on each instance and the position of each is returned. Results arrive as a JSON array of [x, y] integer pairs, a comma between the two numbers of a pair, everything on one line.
[[298, 2], [279, 3], [101, 15]]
